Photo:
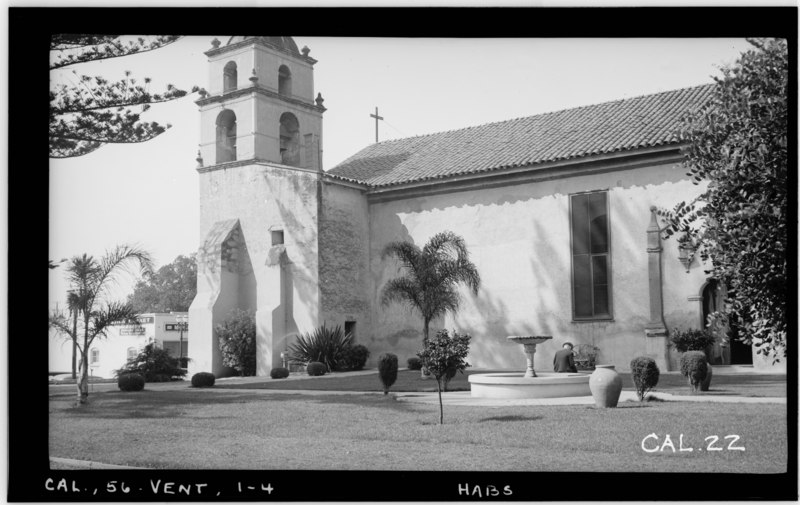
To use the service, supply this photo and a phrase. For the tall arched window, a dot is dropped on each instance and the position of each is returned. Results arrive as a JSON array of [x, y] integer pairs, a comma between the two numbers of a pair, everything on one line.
[[290, 140], [284, 80], [229, 77], [226, 136]]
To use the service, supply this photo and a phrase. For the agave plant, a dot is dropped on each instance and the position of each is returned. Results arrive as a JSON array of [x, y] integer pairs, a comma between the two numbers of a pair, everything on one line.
[[324, 345]]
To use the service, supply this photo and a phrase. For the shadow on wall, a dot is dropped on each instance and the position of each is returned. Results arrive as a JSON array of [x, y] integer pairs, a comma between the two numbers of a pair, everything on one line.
[[396, 329]]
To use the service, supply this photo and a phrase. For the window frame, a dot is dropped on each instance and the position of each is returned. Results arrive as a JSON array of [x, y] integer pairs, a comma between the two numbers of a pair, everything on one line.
[[94, 356], [609, 262]]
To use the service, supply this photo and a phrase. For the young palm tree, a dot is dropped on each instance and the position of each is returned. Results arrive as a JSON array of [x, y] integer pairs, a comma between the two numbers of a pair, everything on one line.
[[432, 276], [90, 280]]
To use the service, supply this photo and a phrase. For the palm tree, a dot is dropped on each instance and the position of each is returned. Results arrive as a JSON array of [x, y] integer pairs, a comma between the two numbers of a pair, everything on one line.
[[90, 280], [432, 276]]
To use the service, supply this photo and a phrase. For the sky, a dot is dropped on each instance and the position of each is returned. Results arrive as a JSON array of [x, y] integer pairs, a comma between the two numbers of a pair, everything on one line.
[[148, 194]]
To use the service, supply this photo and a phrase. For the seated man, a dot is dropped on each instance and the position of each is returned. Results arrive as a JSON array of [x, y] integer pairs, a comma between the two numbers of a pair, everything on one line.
[[563, 362]]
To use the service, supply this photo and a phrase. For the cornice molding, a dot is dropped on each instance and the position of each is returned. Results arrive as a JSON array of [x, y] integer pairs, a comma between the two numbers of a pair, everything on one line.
[[250, 90], [253, 161], [529, 173]]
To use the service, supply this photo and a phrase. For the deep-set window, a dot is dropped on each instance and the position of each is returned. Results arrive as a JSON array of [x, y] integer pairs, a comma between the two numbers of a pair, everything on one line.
[[591, 260], [277, 237]]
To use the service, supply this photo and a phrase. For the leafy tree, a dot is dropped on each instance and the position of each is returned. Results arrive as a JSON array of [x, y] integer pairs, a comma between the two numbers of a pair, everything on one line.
[[93, 111], [154, 364], [737, 143], [90, 280], [237, 341], [443, 356], [171, 288], [432, 275]]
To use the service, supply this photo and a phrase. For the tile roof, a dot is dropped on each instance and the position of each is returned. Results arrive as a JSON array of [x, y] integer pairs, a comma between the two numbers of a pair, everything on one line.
[[621, 125]]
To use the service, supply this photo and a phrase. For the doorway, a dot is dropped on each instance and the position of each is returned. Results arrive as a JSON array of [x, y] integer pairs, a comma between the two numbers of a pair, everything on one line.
[[728, 350]]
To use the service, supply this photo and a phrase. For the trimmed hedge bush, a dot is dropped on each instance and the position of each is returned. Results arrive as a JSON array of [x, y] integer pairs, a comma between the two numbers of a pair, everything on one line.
[[695, 367], [203, 380], [279, 373], [130, 382], [414, 364], [352, 357], [315, 368], [644, 373], [387, 370]]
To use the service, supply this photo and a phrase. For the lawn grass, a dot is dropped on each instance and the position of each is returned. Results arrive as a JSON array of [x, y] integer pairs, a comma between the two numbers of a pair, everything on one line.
[[190, 428], [409, 380]]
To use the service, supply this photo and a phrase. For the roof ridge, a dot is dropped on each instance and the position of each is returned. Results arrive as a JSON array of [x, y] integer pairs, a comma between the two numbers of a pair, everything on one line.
[[543, 114]]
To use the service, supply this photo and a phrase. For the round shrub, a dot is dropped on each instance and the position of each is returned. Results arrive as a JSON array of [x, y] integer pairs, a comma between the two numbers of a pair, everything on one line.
[[387, 370], [279, 373], [644, 373], [695, 367], [130, 382], [414, 363], [357, 357], [203, 380], [316, 368]]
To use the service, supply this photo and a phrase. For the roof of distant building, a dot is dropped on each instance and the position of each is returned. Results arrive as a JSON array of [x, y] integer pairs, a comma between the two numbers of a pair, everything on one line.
[[617, 126]]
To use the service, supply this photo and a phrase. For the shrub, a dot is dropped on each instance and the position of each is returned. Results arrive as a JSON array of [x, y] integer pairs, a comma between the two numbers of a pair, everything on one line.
[[443, 356], [279, 373], [130, 382], [695, 367], [352, 357], [644, 373], [324, 345], [237, 341], [691, 339], [414, 363], [154, 364], [387, 370], [203, 380], [315, 368], [586, 356]]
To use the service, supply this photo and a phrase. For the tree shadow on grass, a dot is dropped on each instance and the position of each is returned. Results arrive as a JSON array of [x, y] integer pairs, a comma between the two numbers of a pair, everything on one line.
[[171, 404], [510, 418]]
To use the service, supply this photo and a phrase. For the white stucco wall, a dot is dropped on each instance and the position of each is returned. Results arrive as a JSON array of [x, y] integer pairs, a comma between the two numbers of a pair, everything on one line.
[[263, 198], [519, 238]]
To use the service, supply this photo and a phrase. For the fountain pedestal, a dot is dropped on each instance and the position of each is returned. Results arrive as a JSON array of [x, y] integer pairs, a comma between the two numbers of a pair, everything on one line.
[[529, 347]]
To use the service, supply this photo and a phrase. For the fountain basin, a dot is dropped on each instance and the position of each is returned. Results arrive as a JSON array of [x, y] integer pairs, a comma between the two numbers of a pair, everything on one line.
[[515, 385]]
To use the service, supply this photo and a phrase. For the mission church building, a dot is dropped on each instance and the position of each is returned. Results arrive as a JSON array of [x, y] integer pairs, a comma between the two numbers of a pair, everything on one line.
[[557, 211]]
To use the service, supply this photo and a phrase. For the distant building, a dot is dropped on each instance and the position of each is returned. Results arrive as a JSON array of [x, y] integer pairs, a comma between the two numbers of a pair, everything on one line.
[[123, 342], [556, 211]]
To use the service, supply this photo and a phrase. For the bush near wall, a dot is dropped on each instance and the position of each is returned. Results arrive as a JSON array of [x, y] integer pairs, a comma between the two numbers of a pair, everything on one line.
[[154, 364], [695, 367], [387, 370], [130, 382], [279, 373], [352, 357], [203, 380], [645, 373], [324, 345], [414, 363], [315, 368]]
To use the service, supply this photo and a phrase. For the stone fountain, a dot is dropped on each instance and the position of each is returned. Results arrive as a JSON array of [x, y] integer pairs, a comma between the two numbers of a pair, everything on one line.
[[530, 384]]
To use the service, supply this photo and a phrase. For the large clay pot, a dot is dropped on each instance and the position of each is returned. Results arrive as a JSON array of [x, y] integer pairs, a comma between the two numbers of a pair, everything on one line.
[[707, 381], [605, 385]]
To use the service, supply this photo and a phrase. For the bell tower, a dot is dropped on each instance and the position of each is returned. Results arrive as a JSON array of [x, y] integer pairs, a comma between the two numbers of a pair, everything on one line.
[[260, 177], [260, 104]]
